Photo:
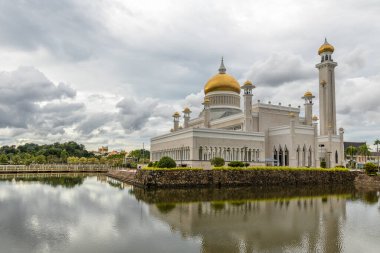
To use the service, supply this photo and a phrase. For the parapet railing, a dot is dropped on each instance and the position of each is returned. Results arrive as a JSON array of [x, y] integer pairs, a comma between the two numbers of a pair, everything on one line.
[[57, 168]]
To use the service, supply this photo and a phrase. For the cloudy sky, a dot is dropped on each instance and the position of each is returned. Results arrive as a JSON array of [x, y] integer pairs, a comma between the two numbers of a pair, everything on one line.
[[112, 72]]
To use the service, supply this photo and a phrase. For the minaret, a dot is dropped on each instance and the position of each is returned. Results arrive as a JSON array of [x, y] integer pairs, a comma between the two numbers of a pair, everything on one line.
[[206, 120], [176, 121], [327, 107], [248, 119], [308, 96], [186, 117]]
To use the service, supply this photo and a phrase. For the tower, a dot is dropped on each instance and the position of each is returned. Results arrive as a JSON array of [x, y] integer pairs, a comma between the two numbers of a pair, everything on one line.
[[206, 121], [248, 119], [186, 117], [327, 107], [176, 121], [308, 96]]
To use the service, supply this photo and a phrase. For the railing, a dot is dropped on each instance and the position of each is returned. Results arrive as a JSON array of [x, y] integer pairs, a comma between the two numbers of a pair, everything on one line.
[[56, 168]]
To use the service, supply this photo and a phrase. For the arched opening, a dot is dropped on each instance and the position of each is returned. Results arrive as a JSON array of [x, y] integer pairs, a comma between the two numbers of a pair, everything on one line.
[[336, 157], [286, 156], [298, 156], [275, 157], [309, 158], [304, 156], [281, 157]]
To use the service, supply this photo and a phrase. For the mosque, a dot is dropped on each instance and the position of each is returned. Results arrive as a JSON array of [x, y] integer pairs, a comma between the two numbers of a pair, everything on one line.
[[259, 133]]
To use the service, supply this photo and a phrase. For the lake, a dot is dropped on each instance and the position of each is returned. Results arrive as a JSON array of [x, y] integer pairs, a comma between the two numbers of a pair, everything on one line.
[[93, 213]]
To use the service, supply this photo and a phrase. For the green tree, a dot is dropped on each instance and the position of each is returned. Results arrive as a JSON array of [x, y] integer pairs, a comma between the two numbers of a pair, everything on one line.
[[364, 150], [217, 161], [40, 159], [370, 168], [16, 159], [166, 162], [4, 159], [351, 151], [83, 160], [140, 154], [377, 143], [64, 155]]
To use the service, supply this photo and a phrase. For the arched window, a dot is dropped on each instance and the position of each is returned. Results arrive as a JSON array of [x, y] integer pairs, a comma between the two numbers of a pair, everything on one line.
[[322, 58], [336, 157], [309, 158], [286, 156], [280, 157], [326, 57], [298, 156], [304, 156], [275, 156]]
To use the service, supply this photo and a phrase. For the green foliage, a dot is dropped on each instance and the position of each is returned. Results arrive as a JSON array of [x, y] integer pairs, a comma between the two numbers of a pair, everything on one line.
[[166, 162], [165, 207], [236, 164], [140, 154], [323, 164], [339, 166], [4, 159], [52, 153], [150, 164], [217, 161], [370, 168]]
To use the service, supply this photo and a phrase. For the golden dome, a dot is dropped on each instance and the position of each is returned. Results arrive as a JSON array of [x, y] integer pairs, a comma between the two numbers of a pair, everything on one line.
[[326, 47], [176, 114], [315, 118], [308, 94], [207, 100], [222, 82], [186, 110], [247, 82]]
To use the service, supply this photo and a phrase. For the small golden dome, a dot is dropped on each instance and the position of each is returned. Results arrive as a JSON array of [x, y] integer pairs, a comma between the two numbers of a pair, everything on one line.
[[247, 82], [326, 47], [308, 94], [176, 114], [207, 100], [315, 118], [186, 110]]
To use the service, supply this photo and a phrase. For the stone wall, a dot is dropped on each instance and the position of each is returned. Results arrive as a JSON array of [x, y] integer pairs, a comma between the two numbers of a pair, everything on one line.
[[218, 178]]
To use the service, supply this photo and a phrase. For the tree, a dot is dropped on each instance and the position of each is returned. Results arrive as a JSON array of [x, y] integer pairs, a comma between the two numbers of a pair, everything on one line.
[[166, 162], [16, 159], [377, 143], [364, 150], [83, 160], [40, 159], [370, 169], [4, 159], [64, 155], [217, 162], [351, 150], [139, 154]]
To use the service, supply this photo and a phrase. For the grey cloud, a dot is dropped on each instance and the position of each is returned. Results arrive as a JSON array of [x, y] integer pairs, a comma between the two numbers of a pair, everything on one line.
[[281, 68], [134, 114], [93, 122]]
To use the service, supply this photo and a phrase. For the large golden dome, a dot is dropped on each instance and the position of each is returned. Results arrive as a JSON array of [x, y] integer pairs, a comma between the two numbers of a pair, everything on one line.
[[326, 47], [222, 82]]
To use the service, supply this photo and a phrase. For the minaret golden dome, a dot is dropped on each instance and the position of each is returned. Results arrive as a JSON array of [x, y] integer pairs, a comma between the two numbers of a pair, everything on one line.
[[222, 82], [308, 94], [326, 47]]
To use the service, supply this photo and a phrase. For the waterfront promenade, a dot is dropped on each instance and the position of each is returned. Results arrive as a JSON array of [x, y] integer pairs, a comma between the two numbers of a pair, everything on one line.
[[43, 168]]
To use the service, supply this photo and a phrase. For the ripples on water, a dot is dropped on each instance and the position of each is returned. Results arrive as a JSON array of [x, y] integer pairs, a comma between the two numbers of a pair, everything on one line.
[[82, 213]]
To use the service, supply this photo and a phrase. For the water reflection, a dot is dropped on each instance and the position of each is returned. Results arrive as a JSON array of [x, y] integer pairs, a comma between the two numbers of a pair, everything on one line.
[[97, 214]]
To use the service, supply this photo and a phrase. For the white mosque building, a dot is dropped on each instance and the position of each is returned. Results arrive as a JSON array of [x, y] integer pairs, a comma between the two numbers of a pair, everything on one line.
[[258, 134]]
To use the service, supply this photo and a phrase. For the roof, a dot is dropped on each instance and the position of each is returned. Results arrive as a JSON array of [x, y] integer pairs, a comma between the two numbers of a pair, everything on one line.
[[354, 144]]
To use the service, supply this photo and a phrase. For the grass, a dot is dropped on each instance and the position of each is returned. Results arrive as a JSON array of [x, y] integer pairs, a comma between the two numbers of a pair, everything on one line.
[[263, 168]]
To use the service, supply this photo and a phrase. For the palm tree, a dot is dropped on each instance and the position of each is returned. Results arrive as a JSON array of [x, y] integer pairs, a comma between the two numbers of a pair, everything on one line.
[[351, 150], [365, 151], [377, 143]]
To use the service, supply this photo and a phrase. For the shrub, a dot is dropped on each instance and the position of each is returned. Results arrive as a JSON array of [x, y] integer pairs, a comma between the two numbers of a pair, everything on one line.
[[236, 164], [217, 161], [370, 168], [246, 164], [150, 164], [323, 164], [166, 162], [339, 166]]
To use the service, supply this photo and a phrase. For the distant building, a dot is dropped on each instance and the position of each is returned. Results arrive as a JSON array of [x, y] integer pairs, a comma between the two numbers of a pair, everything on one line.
[[103, 150]]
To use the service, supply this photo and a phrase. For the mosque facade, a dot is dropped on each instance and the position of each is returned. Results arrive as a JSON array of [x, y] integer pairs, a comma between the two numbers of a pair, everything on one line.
[[257, 133]]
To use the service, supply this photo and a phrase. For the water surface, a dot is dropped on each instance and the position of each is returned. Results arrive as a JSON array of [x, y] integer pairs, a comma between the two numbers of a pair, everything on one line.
[[81, 213]]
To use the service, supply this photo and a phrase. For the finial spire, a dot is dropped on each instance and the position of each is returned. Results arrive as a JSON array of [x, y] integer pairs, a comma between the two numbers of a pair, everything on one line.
[[326, 41], [222, 69]]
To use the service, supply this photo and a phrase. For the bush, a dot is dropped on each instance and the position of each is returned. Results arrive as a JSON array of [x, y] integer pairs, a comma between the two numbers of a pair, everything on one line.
[[217, 161], [323, 164], [370, 168], [246, 164], [339, 166], [166, 162], [236, 164], [150, 164]]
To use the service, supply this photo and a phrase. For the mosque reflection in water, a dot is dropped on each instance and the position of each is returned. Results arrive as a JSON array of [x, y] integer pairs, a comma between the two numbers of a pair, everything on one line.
[[261, 225]]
